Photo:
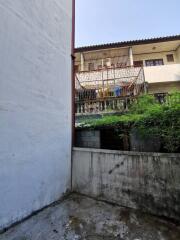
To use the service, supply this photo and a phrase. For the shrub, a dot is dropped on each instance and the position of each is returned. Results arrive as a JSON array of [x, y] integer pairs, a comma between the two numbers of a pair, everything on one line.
[[149, 118]]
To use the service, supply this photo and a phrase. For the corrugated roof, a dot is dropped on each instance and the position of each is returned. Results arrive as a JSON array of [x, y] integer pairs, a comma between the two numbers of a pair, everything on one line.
[[127, 43]]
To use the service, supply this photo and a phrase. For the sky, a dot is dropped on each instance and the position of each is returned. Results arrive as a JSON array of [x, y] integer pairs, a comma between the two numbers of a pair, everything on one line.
[[105, 21]]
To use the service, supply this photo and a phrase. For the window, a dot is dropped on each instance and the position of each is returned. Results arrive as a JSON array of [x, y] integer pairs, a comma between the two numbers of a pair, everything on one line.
[[138, 63], [154, 62], [170, 57], [91, 66]]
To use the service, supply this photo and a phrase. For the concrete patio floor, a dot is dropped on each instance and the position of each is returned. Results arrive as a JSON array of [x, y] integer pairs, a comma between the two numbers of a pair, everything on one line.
[[82, 218]]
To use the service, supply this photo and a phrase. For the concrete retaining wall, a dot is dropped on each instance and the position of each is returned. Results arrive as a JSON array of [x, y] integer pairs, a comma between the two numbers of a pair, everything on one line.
[[35, 105], [88, 138], [146, 181]]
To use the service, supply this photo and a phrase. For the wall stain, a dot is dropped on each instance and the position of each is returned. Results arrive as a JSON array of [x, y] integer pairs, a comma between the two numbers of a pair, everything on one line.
[[116, 167]]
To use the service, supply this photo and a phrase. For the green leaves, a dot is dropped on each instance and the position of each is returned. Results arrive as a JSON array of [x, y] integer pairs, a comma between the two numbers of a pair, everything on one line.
[[149, 118]]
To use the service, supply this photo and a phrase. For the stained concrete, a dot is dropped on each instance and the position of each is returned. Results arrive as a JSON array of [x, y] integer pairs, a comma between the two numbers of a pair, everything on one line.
[[145, 181], [82, 218]]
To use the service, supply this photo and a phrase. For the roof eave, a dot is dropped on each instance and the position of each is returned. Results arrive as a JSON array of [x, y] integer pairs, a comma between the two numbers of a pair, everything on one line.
[[127, 43]]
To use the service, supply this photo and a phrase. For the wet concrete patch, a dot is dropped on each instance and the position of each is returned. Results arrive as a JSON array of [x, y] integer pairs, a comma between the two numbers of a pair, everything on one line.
[[82, 218]]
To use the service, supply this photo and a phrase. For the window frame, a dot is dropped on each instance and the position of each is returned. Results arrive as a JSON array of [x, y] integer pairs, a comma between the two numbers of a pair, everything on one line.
[[138, 63], [154, 60], [91, 66], [169, 56]]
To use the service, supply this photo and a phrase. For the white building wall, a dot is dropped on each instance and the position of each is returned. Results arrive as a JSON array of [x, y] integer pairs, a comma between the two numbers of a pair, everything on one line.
[[35, 105], [165, 73]]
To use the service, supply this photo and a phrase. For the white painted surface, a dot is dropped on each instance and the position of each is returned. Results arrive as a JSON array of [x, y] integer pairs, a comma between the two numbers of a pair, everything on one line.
[[35, 105], [165, 73]]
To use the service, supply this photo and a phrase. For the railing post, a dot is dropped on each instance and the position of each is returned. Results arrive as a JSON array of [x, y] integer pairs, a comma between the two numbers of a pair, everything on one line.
[[113, 104], [77, 108], [126, 104], [105, 105]]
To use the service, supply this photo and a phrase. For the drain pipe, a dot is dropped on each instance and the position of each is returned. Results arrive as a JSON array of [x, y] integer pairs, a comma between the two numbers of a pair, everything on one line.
[[72, 85]]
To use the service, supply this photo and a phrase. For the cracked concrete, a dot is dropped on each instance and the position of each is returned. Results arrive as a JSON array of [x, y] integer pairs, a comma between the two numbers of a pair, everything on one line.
[[82, 218]]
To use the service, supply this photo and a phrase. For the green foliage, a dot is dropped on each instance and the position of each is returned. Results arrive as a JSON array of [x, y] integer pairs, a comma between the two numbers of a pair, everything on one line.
[[165, 124], [162, 121], [150, 119], [145, 103], [174, 99], [125, 119]]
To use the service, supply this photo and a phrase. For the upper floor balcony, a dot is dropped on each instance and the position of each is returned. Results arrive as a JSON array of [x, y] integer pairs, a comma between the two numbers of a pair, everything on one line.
[[108, 90], [114, 89], [162, 74]]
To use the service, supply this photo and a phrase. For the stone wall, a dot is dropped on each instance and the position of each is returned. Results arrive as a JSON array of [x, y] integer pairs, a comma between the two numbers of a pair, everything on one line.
[[35, 105], [146, 181]]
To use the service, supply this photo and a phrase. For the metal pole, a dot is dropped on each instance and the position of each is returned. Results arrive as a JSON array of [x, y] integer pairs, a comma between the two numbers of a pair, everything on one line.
[[72, 85]]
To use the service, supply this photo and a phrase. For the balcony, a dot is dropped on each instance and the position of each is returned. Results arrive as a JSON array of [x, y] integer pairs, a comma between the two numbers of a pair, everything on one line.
[[165, 73], [109, 76], [104, 105], [108, 90]]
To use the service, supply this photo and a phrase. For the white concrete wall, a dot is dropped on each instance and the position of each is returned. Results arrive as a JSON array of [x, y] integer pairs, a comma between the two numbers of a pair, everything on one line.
[[35, 105], [165, 73], [149, 182]]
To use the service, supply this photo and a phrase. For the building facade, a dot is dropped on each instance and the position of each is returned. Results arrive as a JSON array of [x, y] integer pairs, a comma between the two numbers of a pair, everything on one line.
[[158, 57], [35, 114]]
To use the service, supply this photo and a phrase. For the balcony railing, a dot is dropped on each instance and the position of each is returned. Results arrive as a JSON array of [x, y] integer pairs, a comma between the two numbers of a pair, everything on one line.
[[105, 105], [118, 104]]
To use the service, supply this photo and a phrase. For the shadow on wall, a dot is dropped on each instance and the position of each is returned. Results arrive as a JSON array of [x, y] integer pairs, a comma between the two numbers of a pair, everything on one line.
[[112, 140]]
